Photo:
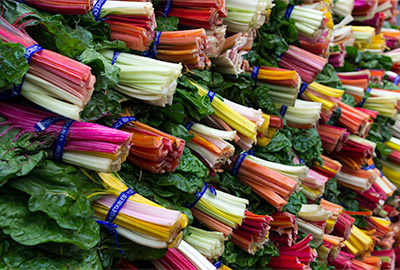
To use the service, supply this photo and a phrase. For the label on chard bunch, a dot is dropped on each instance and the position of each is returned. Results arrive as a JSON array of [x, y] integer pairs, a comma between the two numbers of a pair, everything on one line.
[[31, 50], [303, 88], [123, 120], [396, 80], [167, 8], [118, 204], [45, 123], [97, 9], [211, 95], [115, 57], [62, 137]]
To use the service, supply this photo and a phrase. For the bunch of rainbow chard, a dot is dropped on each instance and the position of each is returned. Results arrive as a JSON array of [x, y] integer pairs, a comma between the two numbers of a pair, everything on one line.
[[132, 22], [186, 46], [152, 149], [87, 145], [211, 145], [54, 82], [139, 219], [230, 60], [62, 6], [144, 78]]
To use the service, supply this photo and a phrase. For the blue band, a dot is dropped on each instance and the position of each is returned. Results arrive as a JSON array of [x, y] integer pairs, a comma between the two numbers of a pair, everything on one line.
[[157, 37], [301, 161], [200, 194], [370, 167], [238, 163], [364, 99], [396, 80], [97, 9], [254, 75], [303, 88], [167, 8], [18, 87], [217, 264], [189, 125], [118, 204], [283, 110], [62, 137], [123, 120], [380, 172], [288, 12], [31, 50], [112, 228], [251, 152], [45, 123], [280, 56], [211, 95], [115, 57]]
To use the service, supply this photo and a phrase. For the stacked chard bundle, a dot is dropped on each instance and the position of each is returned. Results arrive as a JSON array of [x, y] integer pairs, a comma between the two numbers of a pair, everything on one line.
[[242, 17], [283, 84], [216, 38], [151, 149], [62, 6], [232, 116], [183, 257], [392, 37], [210, 146], [328, 96], [82, 144], [145, 79], [230, 60], [253, 232], [284, 229], [356, 121], [395, 56], [139, 219], [307, 65], [298, 256], [355, 83], [341, 37], [132, 22], [363, 35], [195, 13], [54, 82], [272, 186], [332, 137], [186, 46]]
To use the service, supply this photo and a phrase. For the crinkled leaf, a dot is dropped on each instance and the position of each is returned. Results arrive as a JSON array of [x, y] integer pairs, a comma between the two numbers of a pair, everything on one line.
[[33, 228], [59, 191], [13, 64], [107, 75], [294, 203], [103, 106], [328, 77], [19, 157], [177, 130], [278, 150], [237, 258], [16, 256], [197, 107], [167, 24]]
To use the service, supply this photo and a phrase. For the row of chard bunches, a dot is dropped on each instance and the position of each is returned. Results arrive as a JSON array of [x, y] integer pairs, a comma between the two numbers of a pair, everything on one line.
[[200, 134]]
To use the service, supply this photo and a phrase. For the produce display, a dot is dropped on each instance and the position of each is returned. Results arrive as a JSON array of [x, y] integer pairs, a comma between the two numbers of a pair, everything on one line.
[[187, 134]]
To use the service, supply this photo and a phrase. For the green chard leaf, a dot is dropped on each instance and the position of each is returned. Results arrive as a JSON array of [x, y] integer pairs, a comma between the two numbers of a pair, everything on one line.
[[167, 24], [59, 190], [19, 157], [33, 228], [16, 256], [13, 64]]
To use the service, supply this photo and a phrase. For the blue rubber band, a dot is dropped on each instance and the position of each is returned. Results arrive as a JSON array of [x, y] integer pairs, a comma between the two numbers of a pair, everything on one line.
[[118, 204], [211, 95], [200, 194], [18, 87], [217, 264], [97, 9], [123, 120], [167, 8], [302, 161], [303, 88], [283, 110], [62, 138], [288, 12], [380, 172], [45, 123], [238, 163], [251, 152], [115, 57], [157, 37], [189, 125], [370, 167], [396, 80], [254, 75], [112, 228], [364, 99]]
